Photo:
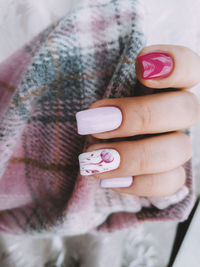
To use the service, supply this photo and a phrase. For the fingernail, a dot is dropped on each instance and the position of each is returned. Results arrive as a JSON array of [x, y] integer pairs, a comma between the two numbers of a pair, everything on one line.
[[97, 120], [117, 182], [98, 161], [156, 65]]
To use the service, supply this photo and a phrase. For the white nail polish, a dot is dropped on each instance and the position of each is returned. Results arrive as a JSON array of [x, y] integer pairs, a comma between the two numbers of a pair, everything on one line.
[[98, 120], [99, 161], [117, 182]]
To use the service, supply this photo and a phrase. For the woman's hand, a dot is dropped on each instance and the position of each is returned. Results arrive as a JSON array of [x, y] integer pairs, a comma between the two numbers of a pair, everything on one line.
[[151, 166]]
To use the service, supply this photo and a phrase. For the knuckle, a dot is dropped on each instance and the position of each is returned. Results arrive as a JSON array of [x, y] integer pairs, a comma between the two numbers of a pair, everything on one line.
[[156, 189], [178, 178], [169, 184], [191, 106], [182, 145], [144, 163], [182, 176], [144, 116], [186, 145]]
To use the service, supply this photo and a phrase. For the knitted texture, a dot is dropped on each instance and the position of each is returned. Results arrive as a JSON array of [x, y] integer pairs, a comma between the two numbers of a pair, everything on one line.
[[86, 56]]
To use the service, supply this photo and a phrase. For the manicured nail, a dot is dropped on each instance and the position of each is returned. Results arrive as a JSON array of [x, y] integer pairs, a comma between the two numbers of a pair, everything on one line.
[[98, 120], [117, 182], [156, 65], [98, 161]]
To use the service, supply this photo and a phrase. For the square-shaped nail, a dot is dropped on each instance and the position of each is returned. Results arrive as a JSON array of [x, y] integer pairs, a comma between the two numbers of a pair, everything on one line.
[[155, 65], [99, 161], [117, 182], [97, 120]]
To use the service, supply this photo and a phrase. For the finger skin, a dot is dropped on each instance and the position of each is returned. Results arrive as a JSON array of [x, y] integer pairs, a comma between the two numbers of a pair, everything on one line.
[[155, 162], [164, 112], [185, 72], [156, 185], [150, 155]]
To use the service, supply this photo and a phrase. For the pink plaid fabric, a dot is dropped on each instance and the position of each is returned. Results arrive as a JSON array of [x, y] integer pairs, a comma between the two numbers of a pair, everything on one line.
[[85, 56]]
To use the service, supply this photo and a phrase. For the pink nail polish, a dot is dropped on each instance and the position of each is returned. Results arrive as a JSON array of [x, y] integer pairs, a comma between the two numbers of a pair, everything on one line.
[[156, 65]]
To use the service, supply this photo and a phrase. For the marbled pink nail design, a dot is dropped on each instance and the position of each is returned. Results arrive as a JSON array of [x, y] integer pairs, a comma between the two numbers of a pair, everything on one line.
[[98, 161], [156, 65]]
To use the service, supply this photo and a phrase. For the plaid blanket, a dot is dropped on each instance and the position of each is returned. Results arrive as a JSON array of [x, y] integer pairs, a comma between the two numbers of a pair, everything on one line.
[[85, 56]]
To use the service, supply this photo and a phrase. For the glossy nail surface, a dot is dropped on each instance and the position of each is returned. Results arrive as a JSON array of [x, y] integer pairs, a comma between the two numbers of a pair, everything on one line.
[[117, 182], [156, 65], [98, 161], [97, 120]]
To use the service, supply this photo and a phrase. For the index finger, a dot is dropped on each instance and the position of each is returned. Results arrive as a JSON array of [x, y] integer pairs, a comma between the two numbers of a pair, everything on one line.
[[168, 66]]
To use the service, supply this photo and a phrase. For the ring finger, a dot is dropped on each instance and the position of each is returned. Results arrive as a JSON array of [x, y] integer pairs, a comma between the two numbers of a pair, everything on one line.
[[128, 158], [121, 117], [155, 163]]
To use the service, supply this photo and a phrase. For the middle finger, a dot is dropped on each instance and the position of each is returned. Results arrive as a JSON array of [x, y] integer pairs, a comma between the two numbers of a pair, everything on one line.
[[122, 117]]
